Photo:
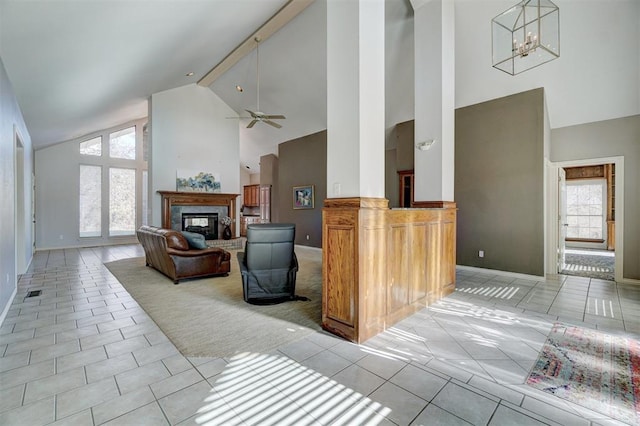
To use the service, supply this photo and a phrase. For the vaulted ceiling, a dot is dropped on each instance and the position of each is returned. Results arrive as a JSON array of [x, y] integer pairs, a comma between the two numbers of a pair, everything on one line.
[[81, 66]]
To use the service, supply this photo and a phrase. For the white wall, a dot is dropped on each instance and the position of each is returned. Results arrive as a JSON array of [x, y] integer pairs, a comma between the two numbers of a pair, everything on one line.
[[399, 66], [11, 121], [610, 138], [355, 99], [595, 78], [189, 130], [254, 179]]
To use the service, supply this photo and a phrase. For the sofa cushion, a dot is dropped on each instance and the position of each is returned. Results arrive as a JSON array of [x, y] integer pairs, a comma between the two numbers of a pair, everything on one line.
[[174, 239], [195, 240]]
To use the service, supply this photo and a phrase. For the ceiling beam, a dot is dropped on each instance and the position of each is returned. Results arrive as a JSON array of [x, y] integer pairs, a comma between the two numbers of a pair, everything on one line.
[[277, 21]]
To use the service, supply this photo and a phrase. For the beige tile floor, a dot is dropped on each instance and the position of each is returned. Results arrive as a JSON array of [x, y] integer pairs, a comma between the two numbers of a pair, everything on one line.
[[84, 353]]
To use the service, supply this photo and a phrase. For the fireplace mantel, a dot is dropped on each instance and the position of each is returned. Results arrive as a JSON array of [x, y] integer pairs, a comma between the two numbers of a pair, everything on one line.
[[171, 198]]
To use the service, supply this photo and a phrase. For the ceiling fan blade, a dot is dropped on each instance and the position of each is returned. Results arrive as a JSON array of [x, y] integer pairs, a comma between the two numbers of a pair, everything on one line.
[[253, 123], [272, 123], [274, 117], [253, 114]]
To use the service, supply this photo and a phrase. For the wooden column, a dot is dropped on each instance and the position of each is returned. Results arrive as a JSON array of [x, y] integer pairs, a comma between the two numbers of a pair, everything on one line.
[[353, 272], [381, 266]]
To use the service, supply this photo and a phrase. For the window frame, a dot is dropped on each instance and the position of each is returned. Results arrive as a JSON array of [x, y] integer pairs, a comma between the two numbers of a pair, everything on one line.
[[593, 242], [139, 164]]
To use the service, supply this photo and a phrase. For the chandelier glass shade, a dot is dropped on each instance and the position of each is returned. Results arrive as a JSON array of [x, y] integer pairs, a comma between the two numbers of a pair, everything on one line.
[[525, 36]]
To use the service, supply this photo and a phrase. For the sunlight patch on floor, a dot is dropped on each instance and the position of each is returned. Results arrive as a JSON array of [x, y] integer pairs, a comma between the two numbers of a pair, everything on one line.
[[498, 292], [268, 389]]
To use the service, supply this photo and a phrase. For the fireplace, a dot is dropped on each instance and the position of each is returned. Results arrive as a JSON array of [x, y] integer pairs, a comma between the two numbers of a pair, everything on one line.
[[202, 223], [174, 204]]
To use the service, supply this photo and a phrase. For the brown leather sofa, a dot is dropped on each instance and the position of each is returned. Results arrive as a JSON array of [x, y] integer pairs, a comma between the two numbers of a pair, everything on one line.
[[167, 251]]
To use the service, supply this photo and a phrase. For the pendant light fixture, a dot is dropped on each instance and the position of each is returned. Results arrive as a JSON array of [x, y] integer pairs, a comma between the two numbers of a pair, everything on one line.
[[525, 36]]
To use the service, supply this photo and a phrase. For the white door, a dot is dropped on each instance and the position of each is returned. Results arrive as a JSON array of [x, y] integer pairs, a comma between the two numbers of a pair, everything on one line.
[[562, 217]]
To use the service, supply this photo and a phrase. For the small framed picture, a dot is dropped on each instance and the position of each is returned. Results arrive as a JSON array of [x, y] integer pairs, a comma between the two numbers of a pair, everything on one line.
[[303, 197]]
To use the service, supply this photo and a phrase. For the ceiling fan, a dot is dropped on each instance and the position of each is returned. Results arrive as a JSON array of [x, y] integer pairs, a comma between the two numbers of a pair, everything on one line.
[[258, 116]]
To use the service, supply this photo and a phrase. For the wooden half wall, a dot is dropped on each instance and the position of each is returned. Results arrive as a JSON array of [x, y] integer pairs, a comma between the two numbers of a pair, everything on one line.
[[380, 265]]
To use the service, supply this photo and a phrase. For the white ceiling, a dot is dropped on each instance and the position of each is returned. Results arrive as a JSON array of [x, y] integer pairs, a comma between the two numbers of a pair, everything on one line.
[[82, 66], [293, 82]]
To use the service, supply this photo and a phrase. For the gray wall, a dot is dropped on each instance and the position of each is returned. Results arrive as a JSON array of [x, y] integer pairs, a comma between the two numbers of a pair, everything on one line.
[[11, 121], [398, 159], [617, 137], [303, 161], [405, 136], [268, 169], [269, 176], [499, 183], [391, 182]]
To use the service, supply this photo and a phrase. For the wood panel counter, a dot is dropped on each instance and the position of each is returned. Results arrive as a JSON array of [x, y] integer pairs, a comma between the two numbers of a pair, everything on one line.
[[382, 265]]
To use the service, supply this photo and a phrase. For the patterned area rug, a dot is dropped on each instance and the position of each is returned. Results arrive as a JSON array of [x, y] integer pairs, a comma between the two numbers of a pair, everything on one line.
[[596, 370]]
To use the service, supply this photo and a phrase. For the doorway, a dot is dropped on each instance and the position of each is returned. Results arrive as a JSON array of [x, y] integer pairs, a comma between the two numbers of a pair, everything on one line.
[[590, 212], [584, 251], [406, 188]]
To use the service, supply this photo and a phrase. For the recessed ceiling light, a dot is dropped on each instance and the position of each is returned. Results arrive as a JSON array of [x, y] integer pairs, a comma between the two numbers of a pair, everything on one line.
[[189, 74], [239, 88]]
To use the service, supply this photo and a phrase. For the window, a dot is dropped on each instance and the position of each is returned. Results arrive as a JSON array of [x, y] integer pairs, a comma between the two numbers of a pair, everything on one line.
[[92, 147], [122, 201], [90, 201], [145, 197], [585, 208], [122, 144], [113, 198]]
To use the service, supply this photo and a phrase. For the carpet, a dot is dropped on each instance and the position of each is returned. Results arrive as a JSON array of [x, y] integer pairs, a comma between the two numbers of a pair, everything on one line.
[[208, 317], [596, 370]]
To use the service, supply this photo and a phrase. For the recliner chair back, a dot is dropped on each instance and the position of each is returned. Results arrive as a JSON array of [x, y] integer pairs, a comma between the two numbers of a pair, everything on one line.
[[268, 264]]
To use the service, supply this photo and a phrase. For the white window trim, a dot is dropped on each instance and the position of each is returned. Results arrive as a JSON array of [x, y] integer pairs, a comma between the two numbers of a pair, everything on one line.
[[586, 244], [107, 162]]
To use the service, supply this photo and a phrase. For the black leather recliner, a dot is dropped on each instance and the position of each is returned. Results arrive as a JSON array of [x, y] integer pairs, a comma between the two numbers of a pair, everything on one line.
[[268, 264]]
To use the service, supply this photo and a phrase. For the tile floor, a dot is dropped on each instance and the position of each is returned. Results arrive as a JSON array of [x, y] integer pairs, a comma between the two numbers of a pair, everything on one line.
[[84, 353]]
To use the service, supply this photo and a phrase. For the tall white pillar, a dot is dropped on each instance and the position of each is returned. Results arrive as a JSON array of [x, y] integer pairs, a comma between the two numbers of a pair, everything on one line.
[[355, 98], [434, 29]]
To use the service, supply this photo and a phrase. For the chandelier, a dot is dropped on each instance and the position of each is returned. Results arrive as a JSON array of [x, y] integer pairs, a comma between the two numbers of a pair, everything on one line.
[[525, 36]]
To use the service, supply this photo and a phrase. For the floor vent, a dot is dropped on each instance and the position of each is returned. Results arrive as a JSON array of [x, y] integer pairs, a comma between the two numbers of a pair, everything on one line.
[[34, 293]]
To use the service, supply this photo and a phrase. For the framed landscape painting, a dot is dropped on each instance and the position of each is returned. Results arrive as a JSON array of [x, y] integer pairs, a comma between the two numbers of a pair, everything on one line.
[[303, 197], [196, 181]]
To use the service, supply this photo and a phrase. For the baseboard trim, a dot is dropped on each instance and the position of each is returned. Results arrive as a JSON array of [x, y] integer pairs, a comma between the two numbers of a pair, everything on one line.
[[308, 247], [90, 245], [497, 272], [5, 311], [630, 281]]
